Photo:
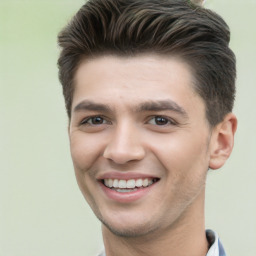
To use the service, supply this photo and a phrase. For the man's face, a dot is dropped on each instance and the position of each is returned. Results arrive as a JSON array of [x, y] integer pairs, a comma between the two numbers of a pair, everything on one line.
[[139, 142]]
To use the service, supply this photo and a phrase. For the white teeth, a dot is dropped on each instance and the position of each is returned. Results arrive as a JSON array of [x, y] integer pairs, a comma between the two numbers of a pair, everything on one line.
[[110, 183], [130, 184], [122, 184], [115, 183], [145, 182], [150, 182], [106, 182], [125, 190], [139, 183]]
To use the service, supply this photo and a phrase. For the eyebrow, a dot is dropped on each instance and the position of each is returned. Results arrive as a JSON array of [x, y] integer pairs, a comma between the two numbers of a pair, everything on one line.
[[145, 106], [161, 106], [90, 105]]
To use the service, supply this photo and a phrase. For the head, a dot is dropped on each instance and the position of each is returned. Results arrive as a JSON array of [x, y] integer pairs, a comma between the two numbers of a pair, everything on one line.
[[149, 89]]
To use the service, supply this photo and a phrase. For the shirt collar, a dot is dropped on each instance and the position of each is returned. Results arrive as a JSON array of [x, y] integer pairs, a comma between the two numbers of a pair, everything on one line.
[[216, 247]]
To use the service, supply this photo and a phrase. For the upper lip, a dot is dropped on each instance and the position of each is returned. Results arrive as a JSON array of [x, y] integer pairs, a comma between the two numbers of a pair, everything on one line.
[[125, 175]]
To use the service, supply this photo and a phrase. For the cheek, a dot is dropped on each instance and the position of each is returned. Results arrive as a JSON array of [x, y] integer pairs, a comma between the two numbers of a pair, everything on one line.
[[182, 155], [185, 165], [84, 151]]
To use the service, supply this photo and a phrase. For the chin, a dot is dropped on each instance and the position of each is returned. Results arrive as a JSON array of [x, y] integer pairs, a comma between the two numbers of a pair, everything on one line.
[[129, 227], [128, 230]]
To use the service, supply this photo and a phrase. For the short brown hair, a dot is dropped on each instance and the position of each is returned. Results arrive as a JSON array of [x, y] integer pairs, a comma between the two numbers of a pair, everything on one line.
[[170, 27]]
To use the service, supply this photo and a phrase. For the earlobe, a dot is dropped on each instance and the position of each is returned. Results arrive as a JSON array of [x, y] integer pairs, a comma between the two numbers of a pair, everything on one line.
[[222, 141]]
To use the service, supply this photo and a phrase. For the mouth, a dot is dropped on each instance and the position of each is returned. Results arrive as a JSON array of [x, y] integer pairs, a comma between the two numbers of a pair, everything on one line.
[[129, 186]]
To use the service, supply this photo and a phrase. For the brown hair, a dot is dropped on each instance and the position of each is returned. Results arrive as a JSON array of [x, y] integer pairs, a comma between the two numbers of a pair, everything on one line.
[[173, 27]]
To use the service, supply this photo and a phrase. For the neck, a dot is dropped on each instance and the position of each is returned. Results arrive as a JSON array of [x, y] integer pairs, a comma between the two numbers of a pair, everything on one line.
[[184, 237]]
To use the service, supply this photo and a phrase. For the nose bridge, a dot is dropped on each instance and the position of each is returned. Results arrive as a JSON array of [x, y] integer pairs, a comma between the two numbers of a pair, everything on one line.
[[125, 144]]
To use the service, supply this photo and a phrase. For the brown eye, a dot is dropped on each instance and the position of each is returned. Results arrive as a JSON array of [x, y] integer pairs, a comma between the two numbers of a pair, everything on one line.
[[95, 120], [161, 120]]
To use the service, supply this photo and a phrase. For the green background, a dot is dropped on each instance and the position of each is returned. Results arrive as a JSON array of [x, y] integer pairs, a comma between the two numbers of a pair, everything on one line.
[[42, 211]]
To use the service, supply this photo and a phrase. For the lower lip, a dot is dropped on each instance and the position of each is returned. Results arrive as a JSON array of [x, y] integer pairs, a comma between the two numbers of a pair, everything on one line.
[[126, 197]]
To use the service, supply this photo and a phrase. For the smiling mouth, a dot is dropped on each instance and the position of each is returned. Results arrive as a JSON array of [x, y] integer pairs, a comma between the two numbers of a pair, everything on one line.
[[131, 185]]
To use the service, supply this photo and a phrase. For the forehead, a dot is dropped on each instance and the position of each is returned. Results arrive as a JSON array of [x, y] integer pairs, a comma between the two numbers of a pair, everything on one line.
[[130, 80]]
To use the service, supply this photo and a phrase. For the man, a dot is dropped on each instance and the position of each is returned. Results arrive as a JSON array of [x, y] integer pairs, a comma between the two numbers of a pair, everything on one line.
[[149, 87]]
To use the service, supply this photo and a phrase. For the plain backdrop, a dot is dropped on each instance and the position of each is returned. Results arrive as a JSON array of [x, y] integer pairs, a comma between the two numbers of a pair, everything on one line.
[[42, 211]]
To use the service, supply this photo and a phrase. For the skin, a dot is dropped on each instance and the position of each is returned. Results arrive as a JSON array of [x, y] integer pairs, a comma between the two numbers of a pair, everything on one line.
[[127, 94]]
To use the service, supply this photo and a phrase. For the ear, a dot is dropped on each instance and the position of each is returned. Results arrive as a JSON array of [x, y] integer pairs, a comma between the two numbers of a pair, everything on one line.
[[222, 141]]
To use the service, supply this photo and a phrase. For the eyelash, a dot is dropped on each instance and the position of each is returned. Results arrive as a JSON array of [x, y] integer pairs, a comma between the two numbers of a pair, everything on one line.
[[90, 118], [87, 120], [167, 119]]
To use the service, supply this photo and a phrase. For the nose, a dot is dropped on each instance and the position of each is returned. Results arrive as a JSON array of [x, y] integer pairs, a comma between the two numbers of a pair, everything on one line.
[[125, 145]]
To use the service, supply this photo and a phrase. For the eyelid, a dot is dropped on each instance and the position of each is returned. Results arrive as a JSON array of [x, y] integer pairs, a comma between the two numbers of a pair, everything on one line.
[[85, 120], [171, 121]]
